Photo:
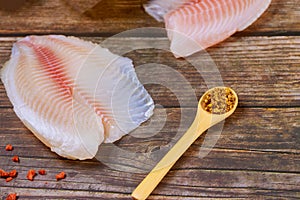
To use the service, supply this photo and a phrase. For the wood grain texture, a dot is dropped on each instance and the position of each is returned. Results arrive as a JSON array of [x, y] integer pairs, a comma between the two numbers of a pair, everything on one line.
[[257, 154], [263, 122], [249, 160], [113, 16], [263, 70], [248, 152]]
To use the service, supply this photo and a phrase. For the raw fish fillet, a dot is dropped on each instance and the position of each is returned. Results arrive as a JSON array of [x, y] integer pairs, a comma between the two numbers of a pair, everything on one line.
[[194, 25], [74, 95]]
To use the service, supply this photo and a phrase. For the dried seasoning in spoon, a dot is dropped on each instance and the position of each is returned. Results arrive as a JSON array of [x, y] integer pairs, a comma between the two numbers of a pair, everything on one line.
[[218, 101]]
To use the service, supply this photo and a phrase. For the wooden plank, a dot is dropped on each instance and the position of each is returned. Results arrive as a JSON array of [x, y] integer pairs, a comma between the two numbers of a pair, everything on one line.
[[264, 71], [182, 183], [238, 134], [267, 145], [114, 16], [258, 148], [249, 160], [205, 193]]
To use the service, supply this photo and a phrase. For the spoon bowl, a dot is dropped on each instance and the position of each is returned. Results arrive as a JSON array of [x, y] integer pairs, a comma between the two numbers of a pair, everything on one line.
[[210, 119], [204, 120]]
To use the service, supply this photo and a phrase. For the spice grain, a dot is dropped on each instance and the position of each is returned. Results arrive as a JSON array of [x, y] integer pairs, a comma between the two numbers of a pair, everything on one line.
[[9, 147], [15, 159], [12, 196], [31, 174], [60, 176]]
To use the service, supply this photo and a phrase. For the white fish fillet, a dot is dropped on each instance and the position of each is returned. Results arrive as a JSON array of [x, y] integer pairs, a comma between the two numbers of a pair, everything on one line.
[[194, 25], [74, 95], [159, 8]]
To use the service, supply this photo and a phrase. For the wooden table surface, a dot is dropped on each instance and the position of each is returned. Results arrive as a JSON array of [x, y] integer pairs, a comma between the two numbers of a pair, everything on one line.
[[257, 155]]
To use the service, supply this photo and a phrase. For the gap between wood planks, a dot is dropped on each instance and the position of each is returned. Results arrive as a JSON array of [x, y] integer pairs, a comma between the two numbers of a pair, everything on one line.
[[145, 35]]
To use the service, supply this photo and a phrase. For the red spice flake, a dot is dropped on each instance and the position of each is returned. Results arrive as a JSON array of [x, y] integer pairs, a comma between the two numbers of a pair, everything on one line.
[[42, 172], [31, 174], [9, 179], [9, 147], [60, 176], [11, 196], [13, 173], [16, 159], [3, 174]]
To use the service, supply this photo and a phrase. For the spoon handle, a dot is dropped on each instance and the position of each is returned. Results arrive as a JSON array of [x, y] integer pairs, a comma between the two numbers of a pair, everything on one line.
[[150, 182]]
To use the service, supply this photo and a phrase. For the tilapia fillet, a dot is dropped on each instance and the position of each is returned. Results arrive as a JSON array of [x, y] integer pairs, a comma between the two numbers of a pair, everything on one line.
[[73, 94], [194, 25]]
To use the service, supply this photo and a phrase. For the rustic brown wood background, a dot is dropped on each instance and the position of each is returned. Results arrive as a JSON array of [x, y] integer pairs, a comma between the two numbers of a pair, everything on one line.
[[258, 153]]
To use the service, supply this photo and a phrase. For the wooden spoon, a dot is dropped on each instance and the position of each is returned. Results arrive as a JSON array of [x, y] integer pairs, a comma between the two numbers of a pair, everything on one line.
[[202, 122]]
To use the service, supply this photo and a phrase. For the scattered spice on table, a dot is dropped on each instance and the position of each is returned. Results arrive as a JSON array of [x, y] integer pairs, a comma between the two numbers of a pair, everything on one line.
[[12, 196], [13, 173], [15, 159], [8, 179], [42, 172], [31, 174], [60, 176], [8, 175], [3, 174], [9, 147]]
